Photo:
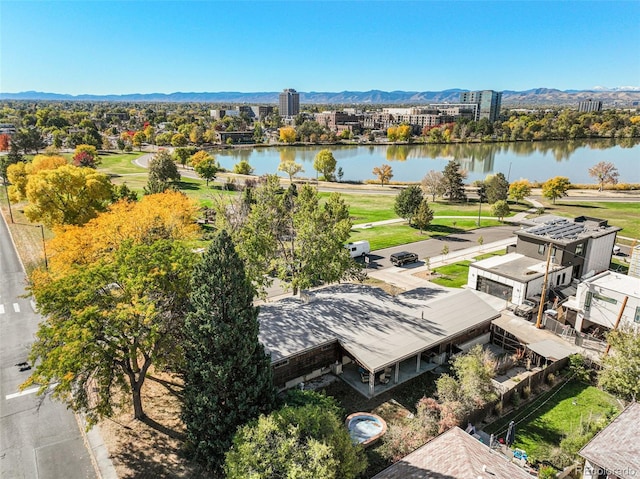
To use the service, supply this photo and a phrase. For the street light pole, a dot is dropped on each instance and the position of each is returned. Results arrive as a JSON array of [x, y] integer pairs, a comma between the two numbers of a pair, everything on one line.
[[44, 247], [479, 209]]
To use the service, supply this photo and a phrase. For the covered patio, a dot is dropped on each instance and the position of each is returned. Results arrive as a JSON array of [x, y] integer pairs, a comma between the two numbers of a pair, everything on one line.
[[398, 337]]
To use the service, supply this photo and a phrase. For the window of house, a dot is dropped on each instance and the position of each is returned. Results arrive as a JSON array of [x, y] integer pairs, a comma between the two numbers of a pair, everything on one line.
[[637, 316], [541, 248], [587, 301], [579, 249]]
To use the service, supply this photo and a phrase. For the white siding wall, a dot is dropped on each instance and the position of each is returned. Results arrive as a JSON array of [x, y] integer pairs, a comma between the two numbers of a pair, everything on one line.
[[605, 312]]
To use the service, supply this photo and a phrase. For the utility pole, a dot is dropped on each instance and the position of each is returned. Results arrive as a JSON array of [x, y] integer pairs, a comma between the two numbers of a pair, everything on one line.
[[544, 289], [615, 326]]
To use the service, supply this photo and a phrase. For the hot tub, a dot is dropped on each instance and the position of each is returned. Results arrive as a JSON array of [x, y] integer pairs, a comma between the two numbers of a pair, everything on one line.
[[365, 428]]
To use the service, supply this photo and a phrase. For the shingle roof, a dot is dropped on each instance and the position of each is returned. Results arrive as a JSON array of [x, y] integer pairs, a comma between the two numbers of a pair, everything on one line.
[[454, 455], [617, 447]]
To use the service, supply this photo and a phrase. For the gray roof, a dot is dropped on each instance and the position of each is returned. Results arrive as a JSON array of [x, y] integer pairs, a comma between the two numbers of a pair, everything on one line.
[[541, 341], [563, 231], [515, 266], [454, 455], [377, 329], [617, 447]]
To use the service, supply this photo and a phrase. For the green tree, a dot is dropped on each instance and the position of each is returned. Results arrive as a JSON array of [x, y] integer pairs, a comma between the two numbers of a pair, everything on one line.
[[290, 167], [424, 216], [182, 155], [453, 179], [555, 188], [497, 188], [605, 172], [325, 163], [305, 442], [243, 167], [106, 323], [384, 173], [518, 190], [290, 235], [205, 165], [500, 209], [407, 202], [163, 173], [227, 378], [620, 368], [67, 195]]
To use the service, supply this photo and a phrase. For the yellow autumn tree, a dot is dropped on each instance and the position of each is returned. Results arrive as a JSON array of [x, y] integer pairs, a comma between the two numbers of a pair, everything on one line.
[[169, 215], [288, 134], [67, 195], [18, 173]]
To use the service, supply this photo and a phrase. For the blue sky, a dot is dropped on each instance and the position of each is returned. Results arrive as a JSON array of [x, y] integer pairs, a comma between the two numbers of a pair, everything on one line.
[[118, 47]]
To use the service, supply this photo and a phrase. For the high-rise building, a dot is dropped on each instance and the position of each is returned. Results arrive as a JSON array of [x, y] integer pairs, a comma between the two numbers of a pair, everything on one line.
[[488, 102], [589, 105], [289, 103]]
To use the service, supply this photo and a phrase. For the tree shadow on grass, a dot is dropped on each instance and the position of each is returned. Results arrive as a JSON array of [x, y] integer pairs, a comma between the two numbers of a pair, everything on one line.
[[188, 186], [444, 230]]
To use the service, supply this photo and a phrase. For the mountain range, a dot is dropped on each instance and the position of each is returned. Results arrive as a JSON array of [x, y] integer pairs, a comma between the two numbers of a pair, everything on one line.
[[610, 97]]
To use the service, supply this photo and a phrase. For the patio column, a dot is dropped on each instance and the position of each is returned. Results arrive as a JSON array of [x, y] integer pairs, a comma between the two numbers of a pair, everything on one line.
[[397, 375], [418, 362], [372, 382]]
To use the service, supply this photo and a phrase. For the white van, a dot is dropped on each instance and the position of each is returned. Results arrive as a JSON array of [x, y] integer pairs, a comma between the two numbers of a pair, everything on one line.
[[358, 248]]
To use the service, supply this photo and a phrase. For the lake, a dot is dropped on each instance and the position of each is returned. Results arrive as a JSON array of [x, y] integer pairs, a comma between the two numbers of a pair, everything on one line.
[[535, 161]]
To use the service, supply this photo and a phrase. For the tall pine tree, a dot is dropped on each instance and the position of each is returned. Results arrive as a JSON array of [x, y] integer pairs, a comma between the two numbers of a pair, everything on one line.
[[453, 179], [227, 379]]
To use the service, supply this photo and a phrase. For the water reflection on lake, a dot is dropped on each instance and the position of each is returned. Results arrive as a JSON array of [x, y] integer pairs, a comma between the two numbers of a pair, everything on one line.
[[536, 161]]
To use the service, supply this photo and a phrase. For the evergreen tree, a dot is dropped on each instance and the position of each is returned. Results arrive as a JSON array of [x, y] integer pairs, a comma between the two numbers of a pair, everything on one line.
[[453, 181], [227, 378]]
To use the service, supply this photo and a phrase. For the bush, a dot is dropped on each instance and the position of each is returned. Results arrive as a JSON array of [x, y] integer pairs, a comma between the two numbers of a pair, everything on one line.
[[551, 378], [526, 392], [515, 398], [546, 472]]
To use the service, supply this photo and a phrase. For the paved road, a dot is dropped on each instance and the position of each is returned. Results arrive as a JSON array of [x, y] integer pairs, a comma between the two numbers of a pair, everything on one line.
[[433, 247], [36, 441]]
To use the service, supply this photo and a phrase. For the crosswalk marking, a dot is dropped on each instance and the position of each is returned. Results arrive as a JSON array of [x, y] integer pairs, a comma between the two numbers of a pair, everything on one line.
[[16, 307], [27, 391], [1, 308]]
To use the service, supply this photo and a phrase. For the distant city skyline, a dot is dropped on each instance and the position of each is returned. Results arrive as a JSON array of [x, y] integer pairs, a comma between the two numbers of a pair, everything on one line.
[[125, 47]]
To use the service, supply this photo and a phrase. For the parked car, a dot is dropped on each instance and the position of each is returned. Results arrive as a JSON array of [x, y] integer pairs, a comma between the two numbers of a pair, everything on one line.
[[403, 257]]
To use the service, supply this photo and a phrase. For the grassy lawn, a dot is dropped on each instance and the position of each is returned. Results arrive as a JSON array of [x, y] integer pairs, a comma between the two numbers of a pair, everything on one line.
[[455, 275], [367, 207], [537, 430], [386, 236], [120, 163], [624, 215]]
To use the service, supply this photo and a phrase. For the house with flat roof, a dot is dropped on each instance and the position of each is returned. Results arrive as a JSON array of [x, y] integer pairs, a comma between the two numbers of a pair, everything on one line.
[[614, 453], [599, 301], [374, 339], [454, 454], [575, 249]]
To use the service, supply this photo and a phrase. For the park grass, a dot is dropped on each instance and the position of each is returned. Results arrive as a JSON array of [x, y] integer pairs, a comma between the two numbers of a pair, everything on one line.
[[622, 214], [116, 164], [566, 407], [386, 236], [371, 207]]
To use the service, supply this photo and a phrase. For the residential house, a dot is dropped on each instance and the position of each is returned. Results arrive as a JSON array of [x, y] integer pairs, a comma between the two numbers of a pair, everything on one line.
[[454, 454], [614, 453], [599, 301]]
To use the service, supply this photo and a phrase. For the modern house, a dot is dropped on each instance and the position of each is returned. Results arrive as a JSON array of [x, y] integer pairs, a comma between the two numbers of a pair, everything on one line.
[[454, 454], [373, 339], [599, 301], [614, 453], [575, 249]]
